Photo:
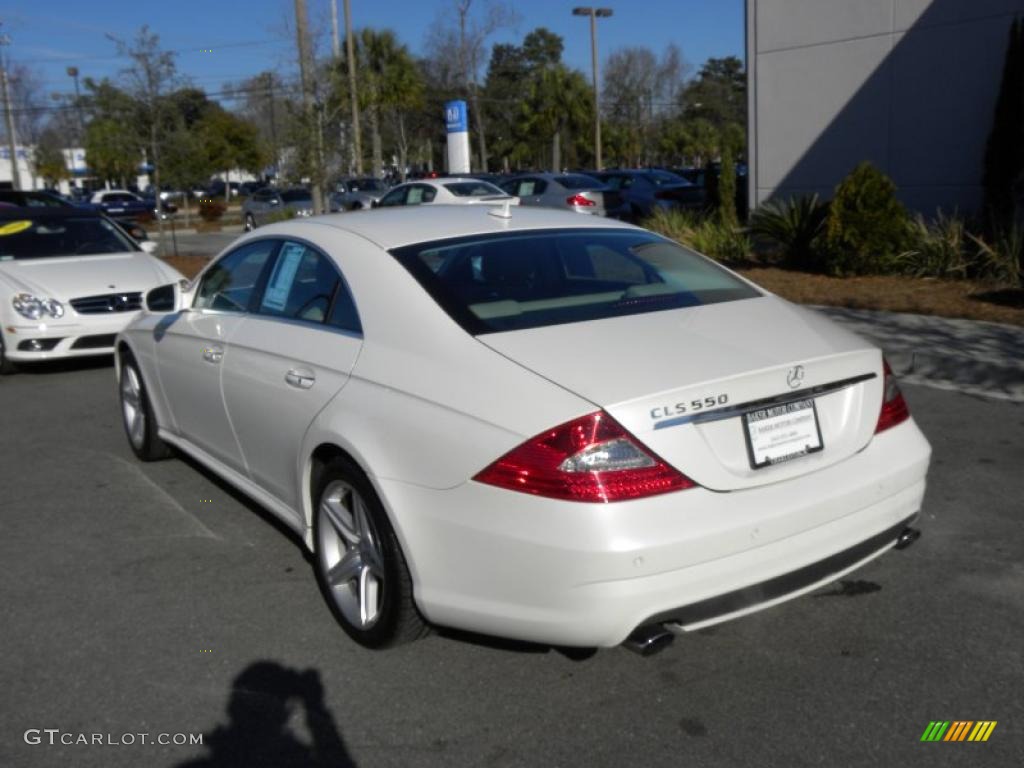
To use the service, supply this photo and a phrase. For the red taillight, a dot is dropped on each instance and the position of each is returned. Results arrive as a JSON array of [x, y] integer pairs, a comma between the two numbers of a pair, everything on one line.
[[894, 407], [579, 200], [592, 459]]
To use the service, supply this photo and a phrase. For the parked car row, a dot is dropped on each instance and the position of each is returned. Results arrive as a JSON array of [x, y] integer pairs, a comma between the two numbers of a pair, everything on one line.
[[629, 195]]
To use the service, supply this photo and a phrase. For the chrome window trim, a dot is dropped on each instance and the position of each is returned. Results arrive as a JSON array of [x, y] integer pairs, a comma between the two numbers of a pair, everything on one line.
[[732, 411]]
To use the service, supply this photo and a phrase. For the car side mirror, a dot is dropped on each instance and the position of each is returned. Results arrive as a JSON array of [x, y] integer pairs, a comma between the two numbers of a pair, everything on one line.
[[165, 298], [149, 246]]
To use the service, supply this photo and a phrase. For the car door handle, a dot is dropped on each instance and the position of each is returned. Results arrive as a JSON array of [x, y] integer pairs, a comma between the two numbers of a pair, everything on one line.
[[302, 378], [213, 354]]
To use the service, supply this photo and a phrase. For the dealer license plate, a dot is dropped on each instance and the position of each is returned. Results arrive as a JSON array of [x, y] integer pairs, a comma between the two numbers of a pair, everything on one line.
[[782, 432]]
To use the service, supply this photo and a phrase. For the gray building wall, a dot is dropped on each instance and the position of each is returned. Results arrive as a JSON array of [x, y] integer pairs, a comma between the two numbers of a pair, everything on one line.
[[909, 85]]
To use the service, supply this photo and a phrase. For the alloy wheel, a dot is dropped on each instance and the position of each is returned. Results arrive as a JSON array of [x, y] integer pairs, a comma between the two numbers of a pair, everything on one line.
[[132, 408], [350, 555]]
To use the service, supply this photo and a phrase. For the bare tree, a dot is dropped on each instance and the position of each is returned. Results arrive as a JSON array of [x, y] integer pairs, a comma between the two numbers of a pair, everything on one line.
[[150, 77], [467, 38], [639, 88]]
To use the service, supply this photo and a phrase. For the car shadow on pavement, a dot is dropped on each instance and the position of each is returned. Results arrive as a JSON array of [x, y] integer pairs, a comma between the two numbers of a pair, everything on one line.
[[266, 701], [513, 646]]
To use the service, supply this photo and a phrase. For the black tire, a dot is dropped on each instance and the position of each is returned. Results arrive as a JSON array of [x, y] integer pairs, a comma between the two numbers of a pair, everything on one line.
[[134, 400], [6, 366], [396, 620]]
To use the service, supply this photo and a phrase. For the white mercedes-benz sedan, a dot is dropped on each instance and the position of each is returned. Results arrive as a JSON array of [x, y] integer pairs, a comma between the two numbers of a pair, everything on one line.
[[523, 423], [70, 280]]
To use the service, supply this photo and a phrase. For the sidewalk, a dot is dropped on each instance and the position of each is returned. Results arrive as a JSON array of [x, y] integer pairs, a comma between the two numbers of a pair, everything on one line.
[[964, 355]]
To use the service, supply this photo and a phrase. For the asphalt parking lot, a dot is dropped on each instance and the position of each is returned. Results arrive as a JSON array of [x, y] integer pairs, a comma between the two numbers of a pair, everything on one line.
[[150, 598]]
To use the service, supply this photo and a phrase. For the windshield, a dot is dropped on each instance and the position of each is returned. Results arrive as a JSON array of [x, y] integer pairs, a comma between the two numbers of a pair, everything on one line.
[[473, 189], [66, 236], [296, 196], [533, 279]]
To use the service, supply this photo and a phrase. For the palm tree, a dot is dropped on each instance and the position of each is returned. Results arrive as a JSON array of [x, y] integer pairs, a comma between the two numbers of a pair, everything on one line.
[[389, 83], [559, 99]]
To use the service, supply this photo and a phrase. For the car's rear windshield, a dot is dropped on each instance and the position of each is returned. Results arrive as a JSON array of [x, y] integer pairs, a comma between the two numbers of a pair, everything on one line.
[[472, 189], [40, 238], [296, 195], [506, 282], [577, 181]]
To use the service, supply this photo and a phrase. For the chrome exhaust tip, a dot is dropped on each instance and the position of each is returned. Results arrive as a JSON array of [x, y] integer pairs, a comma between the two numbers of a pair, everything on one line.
[[907, 537], [649, 640]]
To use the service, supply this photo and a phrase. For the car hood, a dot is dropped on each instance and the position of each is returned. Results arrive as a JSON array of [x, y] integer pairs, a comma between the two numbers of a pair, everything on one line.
[[73, 276]]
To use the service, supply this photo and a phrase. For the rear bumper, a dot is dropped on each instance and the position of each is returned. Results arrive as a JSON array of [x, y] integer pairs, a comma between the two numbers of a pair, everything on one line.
[[513, 565]]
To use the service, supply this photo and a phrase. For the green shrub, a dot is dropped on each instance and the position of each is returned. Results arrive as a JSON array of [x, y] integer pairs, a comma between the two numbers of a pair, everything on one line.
[[210, 209], [704, 234], [795, 227], [867, 227], [1002, 259], [938, 248]]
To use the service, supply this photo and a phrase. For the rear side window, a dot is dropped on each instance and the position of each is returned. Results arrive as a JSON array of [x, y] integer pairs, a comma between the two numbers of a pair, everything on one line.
[[229, 284], [305, 285], [420, 193], [533, 279], [578, 182], [472, 188]]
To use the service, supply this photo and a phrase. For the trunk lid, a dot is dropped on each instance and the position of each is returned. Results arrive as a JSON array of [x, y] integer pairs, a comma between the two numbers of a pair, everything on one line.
[[680, 381]]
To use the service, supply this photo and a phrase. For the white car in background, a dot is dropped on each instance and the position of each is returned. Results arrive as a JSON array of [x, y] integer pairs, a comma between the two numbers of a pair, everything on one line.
[[70, 280], [527, 423], [446, 191]]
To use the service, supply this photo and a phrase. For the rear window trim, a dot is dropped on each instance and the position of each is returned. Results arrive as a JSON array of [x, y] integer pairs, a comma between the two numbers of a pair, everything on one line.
[[408, 257]]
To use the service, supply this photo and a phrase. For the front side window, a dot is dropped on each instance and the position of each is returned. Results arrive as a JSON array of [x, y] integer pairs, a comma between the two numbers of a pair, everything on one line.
[[395, 197], [523, 280], [229, 284]]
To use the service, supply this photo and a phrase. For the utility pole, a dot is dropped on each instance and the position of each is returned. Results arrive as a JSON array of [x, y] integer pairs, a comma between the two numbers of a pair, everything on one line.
[[595, 14], [12, 139], [73, 73], [356, 133], [335, 43], [309, 98]]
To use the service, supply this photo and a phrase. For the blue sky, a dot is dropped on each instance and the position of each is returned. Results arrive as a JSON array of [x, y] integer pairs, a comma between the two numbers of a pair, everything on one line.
[[248, 36]]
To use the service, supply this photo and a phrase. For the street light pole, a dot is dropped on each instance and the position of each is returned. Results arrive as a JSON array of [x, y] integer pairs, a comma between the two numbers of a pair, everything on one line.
[[73, 72], [595, 14]]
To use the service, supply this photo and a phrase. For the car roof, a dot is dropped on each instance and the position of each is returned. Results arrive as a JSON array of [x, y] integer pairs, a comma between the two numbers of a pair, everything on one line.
[[406, 225]]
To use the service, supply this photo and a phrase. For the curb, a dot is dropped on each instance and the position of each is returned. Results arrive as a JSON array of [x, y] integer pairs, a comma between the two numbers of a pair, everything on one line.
[[967, 356]]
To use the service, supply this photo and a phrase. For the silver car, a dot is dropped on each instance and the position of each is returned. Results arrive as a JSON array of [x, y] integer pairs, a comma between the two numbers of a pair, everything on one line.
[[267, 205], [571, 191], [357, 193]]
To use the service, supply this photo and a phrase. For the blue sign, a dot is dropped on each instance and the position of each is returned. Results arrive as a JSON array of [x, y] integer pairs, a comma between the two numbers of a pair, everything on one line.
[[455, 116]]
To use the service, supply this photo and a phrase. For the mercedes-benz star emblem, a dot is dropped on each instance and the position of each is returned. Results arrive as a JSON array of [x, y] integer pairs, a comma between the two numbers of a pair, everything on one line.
[[795, 377]]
